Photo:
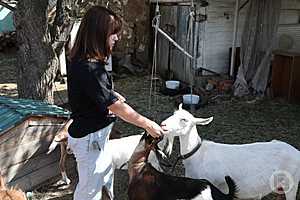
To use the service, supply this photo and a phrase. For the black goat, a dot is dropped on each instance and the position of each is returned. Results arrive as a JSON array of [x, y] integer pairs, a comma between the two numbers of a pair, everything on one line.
[[146, 183]]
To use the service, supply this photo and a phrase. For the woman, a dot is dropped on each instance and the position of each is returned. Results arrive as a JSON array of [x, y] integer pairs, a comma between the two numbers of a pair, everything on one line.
[[93, 100]]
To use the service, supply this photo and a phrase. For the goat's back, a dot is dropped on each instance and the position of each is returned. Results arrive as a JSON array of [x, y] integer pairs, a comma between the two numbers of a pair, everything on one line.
[[244, 163]]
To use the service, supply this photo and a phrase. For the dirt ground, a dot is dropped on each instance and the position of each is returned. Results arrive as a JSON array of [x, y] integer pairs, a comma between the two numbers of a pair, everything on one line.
[[236, 121]]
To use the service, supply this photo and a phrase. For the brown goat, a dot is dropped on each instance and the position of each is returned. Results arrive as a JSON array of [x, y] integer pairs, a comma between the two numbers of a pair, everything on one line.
[[10, 193], [146, 183]]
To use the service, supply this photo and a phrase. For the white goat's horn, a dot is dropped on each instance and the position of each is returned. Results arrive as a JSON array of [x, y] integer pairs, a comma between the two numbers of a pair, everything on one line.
[[203, 121], [180, 106]]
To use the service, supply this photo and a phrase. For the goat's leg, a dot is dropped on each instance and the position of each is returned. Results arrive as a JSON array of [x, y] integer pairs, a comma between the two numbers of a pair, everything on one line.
[[62, 163], [2, 183]]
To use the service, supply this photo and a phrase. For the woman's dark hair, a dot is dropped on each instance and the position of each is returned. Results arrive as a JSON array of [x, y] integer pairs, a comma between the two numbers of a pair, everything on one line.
[[92, 37]]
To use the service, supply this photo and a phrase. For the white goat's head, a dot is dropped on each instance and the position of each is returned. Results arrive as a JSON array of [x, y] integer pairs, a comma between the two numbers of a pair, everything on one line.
[[181, 122]]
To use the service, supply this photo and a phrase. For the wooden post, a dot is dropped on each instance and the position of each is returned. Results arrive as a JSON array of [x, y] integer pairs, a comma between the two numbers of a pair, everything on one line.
[[235, 30]]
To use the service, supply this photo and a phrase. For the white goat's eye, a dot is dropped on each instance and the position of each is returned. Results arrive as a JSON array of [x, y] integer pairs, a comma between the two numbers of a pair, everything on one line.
[[183, 120]]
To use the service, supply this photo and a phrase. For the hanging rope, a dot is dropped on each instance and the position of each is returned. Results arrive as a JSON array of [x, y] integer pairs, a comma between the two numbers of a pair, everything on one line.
[[155, 24], [191, 47], [192, 59]]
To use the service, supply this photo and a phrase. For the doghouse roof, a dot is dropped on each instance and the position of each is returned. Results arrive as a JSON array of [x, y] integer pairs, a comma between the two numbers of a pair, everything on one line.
[[15, 111]]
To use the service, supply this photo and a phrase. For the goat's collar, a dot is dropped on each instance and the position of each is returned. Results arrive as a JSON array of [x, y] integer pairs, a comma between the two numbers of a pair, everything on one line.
[[194, 150], [186, 156]]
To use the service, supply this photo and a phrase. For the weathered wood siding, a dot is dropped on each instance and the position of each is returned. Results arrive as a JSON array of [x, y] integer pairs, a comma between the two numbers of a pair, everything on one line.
[[218, 31], [23, 152], [175, 16]]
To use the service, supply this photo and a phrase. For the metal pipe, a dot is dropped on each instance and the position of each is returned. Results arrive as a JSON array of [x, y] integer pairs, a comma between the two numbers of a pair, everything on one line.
[[33, 125], [244, 4], [175, 44]]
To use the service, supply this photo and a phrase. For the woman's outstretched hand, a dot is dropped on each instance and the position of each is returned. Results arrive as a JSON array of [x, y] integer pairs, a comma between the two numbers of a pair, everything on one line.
[[124, 111], [154, 129]]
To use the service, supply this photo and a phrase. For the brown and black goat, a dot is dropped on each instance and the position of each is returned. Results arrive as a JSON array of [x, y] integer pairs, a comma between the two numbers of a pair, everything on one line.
[[146, 183]]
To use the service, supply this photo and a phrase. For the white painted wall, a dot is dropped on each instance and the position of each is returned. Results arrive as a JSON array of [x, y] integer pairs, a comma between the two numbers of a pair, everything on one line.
[[219, 33], [289, 26]]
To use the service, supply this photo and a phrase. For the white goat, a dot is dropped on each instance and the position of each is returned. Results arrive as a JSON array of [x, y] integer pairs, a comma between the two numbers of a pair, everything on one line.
[[121, 148], [258, 168]]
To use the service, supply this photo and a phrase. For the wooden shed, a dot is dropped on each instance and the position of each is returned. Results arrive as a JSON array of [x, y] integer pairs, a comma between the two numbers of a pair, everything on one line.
[[215, 35], [26, 129]]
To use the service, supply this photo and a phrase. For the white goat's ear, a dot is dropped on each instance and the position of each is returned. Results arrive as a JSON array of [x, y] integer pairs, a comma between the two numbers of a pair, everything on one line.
[[180, 107], [203, 121]]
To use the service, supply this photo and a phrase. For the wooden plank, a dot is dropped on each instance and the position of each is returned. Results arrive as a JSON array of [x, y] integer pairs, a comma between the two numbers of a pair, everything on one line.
[[17, 149], [36, 163], [22, 129], [18, 170], [181, 37], [169, 18], [36, 178], [281, 75], [22, 133], [295, 82], [17, 155], [37, 170], [13, 133]]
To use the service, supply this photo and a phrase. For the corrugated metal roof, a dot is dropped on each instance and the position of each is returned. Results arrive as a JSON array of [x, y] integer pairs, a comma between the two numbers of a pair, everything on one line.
[[52, 3], [14, 111], [6, 20]]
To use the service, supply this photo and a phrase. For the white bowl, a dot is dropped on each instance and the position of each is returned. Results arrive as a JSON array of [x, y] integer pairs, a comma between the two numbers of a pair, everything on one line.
[[190, 99], [172, 84]]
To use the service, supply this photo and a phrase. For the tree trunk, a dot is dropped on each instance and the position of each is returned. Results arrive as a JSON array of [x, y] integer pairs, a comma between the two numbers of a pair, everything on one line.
[[37, 62]]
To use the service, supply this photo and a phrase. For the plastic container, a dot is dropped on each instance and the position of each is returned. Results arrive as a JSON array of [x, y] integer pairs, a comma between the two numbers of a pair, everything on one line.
[[190, 99], [172, 84]]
